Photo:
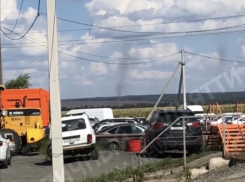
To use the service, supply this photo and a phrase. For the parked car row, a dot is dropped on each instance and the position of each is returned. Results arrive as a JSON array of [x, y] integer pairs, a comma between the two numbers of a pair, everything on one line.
[[229, 118], [80, 129]]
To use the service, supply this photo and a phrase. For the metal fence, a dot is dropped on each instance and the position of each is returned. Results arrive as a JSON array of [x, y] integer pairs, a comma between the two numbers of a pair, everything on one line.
[[184, 137]]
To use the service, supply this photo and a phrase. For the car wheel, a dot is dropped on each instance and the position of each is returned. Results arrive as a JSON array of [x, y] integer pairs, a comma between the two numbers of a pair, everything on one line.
[[5, 163], [194, 151], [94, 154], [49, 150], [113, 146], [9, 161], [152, 152]]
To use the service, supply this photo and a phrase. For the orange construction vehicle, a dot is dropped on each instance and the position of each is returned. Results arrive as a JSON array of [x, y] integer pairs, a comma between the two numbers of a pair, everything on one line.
[[25, 113]]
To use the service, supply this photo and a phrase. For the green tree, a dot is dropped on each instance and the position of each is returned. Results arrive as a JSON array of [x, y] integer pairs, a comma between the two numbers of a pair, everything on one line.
[[22, 81]]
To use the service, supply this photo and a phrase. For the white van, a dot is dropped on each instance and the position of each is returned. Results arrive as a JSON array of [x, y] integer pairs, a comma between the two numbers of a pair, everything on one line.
[[196, 109], [100, 113]]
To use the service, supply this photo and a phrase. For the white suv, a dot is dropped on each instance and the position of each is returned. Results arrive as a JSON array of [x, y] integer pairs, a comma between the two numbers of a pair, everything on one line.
[[5, 155], [78, 137]]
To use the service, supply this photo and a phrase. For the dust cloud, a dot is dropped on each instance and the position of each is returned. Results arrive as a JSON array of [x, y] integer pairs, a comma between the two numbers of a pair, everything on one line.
[[122, 71]]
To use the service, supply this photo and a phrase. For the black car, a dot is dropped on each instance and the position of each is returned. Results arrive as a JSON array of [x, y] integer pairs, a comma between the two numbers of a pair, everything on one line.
[[172, 139]]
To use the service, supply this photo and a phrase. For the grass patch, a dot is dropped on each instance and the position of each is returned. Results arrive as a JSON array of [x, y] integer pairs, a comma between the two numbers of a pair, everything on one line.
[[42, 145], [137, 174]]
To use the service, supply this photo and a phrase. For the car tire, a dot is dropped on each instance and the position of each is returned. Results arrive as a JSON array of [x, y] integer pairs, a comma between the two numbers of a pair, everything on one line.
[[9, 161], [194, 151], [26, 149], [5, 163], [94, 154], [114, 146], [152, 152], [49, 150]]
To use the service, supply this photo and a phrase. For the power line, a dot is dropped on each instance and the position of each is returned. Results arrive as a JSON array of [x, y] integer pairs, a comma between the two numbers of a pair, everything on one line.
[[101, 56], [104, 62], [128, 26], [218, 59], [128, 40], [154, 37], [17, 19], [22, 36], [125, 64], [128, 31], [160, 58]]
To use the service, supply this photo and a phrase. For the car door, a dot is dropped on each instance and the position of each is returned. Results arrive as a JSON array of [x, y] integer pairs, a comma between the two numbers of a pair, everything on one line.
[[76, 134], [125, 129]]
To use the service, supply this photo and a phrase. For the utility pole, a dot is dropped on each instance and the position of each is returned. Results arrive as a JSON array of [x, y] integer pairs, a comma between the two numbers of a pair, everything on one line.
[[184, 103], [1, 67], [183, 77], [55, 105], [180, 87]]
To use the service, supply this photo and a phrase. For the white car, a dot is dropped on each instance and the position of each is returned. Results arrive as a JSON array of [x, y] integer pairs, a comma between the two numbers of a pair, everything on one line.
[[78, 137], [236, 120], [10, 139], [5, 155]]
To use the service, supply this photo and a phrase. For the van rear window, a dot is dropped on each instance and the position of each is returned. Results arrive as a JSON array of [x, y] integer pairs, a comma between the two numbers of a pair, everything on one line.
[[76, 124]]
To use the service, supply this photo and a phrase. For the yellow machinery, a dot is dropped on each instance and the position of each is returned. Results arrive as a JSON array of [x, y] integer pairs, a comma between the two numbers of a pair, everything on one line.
[[25, 124]]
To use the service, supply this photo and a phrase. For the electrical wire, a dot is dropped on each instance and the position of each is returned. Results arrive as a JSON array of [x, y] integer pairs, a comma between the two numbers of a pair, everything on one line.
[[22, 36], [126, 26], [104, 62], [153, 37], [125, 64], [120, 58], [128, 40], [218, 59], [101, 56], [128, 31], [17, 19], [89, 60]]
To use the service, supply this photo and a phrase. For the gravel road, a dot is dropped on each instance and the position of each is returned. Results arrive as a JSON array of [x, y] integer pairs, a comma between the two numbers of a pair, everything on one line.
[[35, 168], [224, 174]]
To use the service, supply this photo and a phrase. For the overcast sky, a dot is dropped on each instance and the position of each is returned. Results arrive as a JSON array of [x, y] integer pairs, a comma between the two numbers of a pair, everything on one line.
[[82, 75]]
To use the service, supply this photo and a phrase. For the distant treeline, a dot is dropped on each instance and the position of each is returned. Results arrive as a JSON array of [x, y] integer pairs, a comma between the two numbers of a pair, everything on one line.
[[141, 101], [124, 106]]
